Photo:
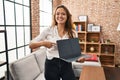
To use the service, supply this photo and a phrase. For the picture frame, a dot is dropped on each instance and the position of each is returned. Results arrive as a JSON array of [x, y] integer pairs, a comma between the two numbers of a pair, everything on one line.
[[95, 28], [83, 18], [89, 27]]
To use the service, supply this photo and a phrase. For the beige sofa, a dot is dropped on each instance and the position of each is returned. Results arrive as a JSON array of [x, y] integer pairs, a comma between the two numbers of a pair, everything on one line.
[[31, 67]]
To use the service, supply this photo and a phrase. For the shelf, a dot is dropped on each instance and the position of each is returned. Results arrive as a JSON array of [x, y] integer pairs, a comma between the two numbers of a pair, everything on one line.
[[82, 46], [107, 43], [82, 37], [97, 43], [90, 43], [81, 32], [107, 65], [108, 48], [80, 26], [107, 60], [93, 37], [93, 48], [105, 54]]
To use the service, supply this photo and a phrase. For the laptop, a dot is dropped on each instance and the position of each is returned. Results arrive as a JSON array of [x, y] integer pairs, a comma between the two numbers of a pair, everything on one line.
[[69, 49]]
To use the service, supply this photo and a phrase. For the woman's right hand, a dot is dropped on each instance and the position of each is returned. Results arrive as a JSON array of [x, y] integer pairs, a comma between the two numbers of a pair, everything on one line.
[[48, 44]]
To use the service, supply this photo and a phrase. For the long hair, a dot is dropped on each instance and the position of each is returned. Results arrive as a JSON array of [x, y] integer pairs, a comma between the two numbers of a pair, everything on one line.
[[69, 24]]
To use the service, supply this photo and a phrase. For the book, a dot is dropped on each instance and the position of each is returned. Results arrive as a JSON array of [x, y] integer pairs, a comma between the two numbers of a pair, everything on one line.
[[92, 57]]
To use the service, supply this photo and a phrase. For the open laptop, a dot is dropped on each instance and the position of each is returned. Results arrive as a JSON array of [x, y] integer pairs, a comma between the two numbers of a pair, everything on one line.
[[69, 49]]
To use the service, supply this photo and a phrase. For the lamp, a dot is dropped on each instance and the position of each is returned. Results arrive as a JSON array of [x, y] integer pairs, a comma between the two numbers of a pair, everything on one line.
[[118, 28]]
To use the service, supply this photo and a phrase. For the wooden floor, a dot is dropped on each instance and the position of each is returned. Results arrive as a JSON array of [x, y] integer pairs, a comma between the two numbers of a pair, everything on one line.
[[112, 73]]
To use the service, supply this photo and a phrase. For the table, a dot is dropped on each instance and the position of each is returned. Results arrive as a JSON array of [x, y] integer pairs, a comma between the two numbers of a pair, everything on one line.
[[100, 73], [92, 73]]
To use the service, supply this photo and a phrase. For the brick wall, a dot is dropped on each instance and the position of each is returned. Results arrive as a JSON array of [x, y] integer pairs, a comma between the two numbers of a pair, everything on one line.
[[35, 17], [105, 13], [56, 3]]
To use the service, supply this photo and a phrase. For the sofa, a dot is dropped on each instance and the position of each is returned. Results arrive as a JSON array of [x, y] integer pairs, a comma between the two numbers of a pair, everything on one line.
[[31, 67]]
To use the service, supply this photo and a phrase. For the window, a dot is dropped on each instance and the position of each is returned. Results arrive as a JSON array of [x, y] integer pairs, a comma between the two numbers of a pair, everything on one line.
[[45, 13], [15, 19]]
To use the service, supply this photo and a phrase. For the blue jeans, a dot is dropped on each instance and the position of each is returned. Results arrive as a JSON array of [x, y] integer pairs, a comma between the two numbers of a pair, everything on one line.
[[57, 68]]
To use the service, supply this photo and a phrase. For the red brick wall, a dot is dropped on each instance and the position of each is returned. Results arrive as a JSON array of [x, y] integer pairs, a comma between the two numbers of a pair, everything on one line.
[[35, 17], [105, 13], [56, 3]]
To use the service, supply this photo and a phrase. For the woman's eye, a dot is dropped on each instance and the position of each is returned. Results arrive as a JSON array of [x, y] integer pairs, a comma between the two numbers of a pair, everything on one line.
[[63, 13], [57, 13], [60, 14]]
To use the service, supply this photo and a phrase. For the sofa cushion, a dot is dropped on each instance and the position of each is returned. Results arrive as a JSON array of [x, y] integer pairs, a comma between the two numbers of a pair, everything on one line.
[[25, 68], [40, 55]]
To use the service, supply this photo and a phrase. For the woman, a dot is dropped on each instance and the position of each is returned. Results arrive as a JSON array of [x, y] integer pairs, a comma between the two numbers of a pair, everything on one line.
[[62, 28]]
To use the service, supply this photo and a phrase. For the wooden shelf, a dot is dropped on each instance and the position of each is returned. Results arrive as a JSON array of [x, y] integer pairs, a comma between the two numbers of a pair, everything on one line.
[[107, 59], [90, 44], [93, 37], [93, 43], [105, 54], [80, 26], [107, 65], [81, 32]]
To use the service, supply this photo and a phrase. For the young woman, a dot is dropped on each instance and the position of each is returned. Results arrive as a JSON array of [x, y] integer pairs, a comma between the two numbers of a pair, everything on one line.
[[62, 28]]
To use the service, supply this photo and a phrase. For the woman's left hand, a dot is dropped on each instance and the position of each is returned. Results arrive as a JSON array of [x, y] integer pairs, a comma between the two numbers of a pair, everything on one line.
[[81, 60]]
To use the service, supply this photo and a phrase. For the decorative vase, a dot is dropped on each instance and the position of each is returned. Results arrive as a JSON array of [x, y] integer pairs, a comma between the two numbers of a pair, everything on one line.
[[92, 49]]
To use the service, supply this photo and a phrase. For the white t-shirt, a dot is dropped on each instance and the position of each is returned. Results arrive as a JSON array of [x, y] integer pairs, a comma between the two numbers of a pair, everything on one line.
[[51, 34]]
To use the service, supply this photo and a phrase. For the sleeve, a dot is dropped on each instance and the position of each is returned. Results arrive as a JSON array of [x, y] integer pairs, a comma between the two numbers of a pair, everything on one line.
[[42, 36]]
